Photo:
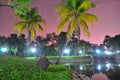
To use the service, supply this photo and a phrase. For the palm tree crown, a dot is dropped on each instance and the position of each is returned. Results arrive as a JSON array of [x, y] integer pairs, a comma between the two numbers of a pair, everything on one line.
[[29, 21], [73, 13]]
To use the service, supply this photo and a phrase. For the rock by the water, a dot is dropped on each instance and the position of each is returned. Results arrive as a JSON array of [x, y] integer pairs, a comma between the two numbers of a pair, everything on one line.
[[79, 76], [42, 62]]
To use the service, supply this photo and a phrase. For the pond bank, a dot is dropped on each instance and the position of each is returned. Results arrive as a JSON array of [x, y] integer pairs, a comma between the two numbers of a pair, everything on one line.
[[73, 61]]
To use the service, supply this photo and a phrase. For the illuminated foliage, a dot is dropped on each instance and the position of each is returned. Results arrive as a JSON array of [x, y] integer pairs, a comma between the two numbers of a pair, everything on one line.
[[19, 6]]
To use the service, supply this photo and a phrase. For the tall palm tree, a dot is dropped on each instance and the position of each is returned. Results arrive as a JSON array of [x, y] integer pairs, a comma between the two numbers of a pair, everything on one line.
[[74, 14], [29, 21]]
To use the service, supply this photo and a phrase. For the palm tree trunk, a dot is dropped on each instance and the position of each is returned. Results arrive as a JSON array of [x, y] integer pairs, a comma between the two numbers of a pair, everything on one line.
[[58, 60], [78, 39], [28, 40], [29, 37]]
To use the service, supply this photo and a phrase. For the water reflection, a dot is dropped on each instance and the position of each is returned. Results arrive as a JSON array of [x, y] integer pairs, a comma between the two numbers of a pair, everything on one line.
[[110, 68]]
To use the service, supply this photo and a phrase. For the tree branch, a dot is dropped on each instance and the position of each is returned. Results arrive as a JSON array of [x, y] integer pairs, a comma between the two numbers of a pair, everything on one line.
[[6, 5]]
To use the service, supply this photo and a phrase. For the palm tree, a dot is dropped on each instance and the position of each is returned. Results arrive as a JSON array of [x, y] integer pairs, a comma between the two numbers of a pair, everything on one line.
[[29, 21], [74, 14]]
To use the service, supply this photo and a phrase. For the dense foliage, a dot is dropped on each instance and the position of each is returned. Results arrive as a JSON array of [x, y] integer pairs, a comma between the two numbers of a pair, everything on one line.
[[14, 68], [112, 43], [45, 45], [19, 6]]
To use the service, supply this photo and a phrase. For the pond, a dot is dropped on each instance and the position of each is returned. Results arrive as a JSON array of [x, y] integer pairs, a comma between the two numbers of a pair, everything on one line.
[[109, 67]]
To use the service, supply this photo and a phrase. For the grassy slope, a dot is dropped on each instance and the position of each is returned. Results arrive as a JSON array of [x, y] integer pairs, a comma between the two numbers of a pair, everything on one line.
[[14, 68]]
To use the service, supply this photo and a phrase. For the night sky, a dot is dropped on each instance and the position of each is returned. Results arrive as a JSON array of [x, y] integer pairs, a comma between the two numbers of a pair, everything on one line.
[[108, 12]]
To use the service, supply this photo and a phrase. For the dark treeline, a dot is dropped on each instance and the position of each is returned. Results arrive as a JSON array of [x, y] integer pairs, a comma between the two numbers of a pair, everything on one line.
[[53, 44]]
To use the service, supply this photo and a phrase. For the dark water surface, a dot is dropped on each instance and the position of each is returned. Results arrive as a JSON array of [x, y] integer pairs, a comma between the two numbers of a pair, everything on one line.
[[109, 67]]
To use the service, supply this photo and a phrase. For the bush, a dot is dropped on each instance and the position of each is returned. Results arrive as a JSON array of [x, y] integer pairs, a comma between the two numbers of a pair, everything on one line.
[[15, 68]]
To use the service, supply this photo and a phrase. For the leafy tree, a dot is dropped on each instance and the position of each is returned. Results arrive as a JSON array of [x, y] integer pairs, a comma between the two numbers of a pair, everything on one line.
[[74, 14], [106, 41], [29, 21], [112, 43], [19, 6], [16, 45]]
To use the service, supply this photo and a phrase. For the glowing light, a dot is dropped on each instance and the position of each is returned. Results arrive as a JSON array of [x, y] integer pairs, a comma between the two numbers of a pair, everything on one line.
[[33, 50], [108, 52], [4, 49], [80, 52], [108, 65], [81, 67], [66, 51], [119, 65], [118, 51], [98, 51], [99, 67]]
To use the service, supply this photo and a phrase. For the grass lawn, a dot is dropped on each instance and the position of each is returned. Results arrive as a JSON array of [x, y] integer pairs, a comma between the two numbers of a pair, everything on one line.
[[15, 68], [63, 57]]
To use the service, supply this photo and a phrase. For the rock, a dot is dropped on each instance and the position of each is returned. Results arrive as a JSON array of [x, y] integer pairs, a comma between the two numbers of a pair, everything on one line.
[[42, 62], [79, 76]]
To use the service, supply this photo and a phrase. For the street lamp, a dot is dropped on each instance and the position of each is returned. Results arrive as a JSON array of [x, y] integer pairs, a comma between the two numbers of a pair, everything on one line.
[[33, 50], [4, 50], [80, 52], [67, 51]]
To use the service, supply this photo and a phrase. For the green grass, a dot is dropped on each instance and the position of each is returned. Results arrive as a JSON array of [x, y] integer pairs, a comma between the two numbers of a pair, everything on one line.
[[15, 68], [63, 57]]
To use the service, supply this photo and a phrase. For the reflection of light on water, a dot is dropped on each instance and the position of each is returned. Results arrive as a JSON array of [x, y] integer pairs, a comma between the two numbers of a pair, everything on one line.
[[99, 67], [81, 67], [108, 65], [119, 65]]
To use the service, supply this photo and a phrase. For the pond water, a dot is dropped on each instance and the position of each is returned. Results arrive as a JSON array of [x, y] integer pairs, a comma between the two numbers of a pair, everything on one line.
[[109, 67]]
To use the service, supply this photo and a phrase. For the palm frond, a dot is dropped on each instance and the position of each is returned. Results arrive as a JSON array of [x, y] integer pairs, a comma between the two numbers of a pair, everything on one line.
[[20, 16], [64, 21], [39, 27], [19, 25], [84, 27], [86, 5], [69, 31], [62, 10], [89, 18], [32, 30]]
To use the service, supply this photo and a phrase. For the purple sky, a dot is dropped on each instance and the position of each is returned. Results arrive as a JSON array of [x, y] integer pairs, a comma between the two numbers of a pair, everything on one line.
[[108, 12]]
